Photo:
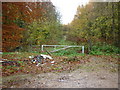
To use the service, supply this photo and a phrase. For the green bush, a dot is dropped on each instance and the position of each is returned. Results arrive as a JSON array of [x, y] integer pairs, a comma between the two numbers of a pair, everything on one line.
[[104, 49], [68, 52]]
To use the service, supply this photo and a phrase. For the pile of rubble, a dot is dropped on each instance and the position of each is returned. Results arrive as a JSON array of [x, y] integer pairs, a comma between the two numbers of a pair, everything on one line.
[[41, 59], [38, 60]]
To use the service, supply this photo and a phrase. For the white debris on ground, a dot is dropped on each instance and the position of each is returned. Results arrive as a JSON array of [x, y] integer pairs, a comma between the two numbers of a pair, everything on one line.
[[52, 61], [34, 61], [31, 56], [1, 61], [46, 56], [38, 64], [4, 59], [40, 58]]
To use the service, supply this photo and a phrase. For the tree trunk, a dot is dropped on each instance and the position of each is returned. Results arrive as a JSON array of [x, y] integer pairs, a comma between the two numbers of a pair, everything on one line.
[[89, 46]]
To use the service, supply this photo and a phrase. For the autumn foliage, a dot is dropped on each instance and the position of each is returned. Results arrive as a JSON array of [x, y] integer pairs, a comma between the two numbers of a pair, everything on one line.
[[17, 17], [96, 22]]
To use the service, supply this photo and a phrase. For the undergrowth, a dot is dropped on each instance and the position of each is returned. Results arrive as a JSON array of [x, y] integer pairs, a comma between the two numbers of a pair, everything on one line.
[[104, 49], [69, 52]]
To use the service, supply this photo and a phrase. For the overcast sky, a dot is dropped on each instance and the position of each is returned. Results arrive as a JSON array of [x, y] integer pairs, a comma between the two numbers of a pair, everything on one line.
[[67, 8]]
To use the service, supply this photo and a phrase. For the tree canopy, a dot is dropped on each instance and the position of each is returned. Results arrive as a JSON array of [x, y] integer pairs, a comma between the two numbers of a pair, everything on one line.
[[35, 23], [27, 23], [97, 21]]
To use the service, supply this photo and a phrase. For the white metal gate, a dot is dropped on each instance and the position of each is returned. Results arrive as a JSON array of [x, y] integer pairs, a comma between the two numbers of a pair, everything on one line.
[[65, 47]]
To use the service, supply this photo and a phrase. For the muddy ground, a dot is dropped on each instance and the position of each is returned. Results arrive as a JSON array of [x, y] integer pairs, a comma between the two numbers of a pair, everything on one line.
[[98, 73]]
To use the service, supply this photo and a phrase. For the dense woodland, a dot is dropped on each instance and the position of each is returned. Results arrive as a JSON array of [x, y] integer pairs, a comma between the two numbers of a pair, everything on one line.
[[96, 22], [37, 23], [29, 23]]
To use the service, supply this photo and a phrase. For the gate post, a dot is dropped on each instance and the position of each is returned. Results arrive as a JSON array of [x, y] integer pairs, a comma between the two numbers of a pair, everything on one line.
[[42, 47], [83, 49]]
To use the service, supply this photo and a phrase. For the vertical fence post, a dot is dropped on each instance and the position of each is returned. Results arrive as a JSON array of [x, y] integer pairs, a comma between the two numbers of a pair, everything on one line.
[[42, 47], [83, 49]]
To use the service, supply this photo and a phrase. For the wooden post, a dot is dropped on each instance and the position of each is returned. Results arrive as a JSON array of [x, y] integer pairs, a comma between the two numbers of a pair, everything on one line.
[[89, 46]]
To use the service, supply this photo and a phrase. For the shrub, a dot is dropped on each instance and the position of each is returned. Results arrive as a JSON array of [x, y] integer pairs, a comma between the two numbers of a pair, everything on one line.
[[68, 52], [104, 49]]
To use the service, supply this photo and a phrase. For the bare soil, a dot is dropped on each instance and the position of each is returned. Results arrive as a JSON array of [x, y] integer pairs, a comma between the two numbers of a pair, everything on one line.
[[99, 73]]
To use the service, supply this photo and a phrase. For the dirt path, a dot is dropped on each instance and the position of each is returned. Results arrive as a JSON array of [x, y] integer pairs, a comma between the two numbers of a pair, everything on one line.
[[75, 79], [96, 74]]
